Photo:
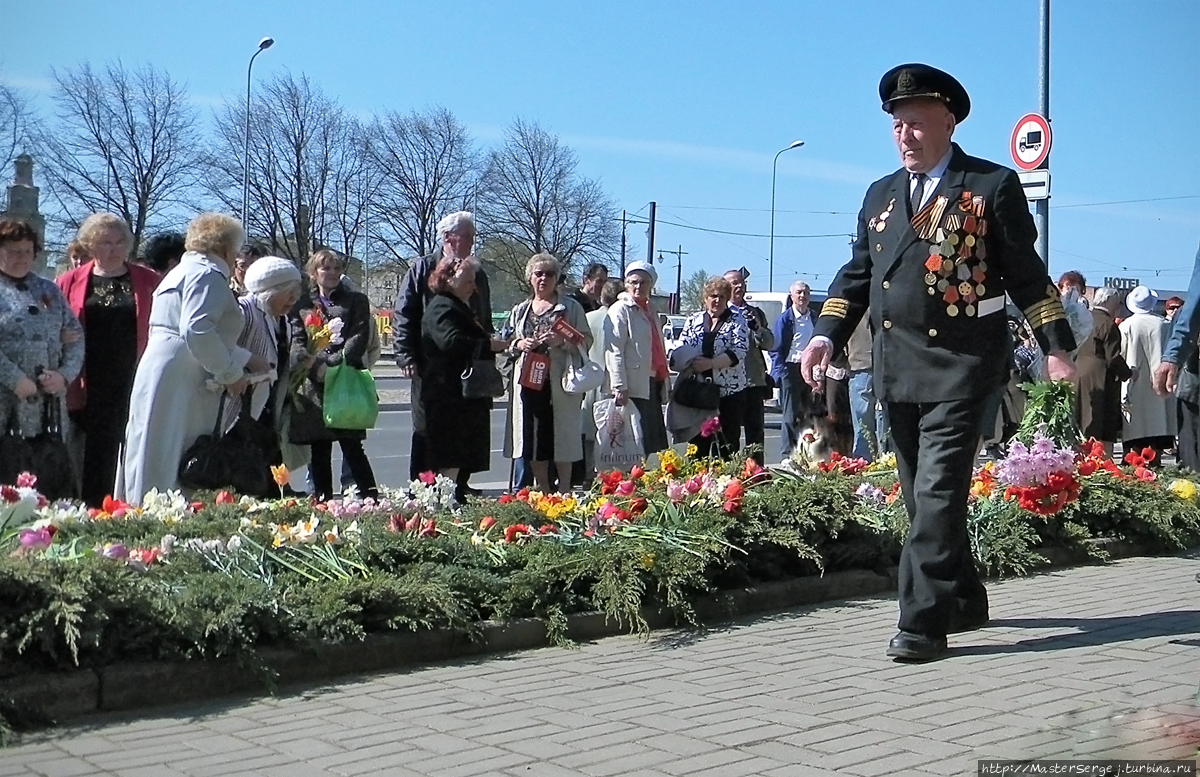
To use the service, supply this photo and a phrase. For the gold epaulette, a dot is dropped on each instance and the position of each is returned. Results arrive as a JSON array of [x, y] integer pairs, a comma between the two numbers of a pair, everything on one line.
[[1045, 310], [835, 307]]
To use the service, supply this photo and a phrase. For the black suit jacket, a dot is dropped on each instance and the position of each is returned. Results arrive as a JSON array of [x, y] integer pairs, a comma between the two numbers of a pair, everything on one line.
[[410, 308], [936, 285]]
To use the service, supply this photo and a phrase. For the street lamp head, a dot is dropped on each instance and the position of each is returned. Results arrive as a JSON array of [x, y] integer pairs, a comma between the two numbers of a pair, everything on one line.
[[265, 44], [796, 144]]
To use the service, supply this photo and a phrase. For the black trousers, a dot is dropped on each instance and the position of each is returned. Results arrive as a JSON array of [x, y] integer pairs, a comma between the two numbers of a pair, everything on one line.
[[725, 441], [353, 453], [935, 455], [1188, 449], [754, 417]]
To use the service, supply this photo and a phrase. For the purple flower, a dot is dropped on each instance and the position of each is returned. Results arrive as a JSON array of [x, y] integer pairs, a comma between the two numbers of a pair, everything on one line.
[[870, 493], [35, 539], [114, 550]]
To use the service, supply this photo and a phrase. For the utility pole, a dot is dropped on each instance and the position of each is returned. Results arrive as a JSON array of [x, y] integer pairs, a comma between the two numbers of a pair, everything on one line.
[[622, 244], [1041, 215], [678, 275], [650, 235]]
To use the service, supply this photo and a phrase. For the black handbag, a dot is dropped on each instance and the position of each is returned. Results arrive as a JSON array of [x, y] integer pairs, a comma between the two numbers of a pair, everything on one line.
[[481, 379], [219, 461], [49, 457], [698, 393], [15, 452]]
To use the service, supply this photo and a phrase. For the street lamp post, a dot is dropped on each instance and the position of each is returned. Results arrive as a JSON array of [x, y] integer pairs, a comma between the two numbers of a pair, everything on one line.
[[263, 45], [774, 168]]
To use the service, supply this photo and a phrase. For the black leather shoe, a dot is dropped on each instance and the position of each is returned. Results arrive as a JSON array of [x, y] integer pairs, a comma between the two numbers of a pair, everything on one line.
[[907, 646], [967, 622]]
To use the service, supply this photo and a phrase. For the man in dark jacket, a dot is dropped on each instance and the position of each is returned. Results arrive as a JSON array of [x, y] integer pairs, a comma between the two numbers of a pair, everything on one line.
[[457, 234], [940, 242]]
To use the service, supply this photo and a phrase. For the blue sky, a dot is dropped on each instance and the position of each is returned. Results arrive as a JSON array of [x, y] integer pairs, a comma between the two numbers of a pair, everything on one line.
[[686, 103]]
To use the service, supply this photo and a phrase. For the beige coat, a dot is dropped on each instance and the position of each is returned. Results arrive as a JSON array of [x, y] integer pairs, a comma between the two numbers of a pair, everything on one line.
[[628, 351], [568, 408], [1143, 336]]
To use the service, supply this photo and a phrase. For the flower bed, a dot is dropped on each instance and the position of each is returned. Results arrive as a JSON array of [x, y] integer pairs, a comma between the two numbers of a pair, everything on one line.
[[180, 580]]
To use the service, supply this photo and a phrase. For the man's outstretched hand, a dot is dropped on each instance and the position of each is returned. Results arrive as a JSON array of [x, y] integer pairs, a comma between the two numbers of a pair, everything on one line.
[[1166, 377], [817, 354]]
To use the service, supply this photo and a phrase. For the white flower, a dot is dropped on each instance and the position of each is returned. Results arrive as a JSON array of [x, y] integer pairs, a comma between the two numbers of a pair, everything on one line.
[[335, 330], [167, 544], [306, 531], [331, 536], [234, 544]]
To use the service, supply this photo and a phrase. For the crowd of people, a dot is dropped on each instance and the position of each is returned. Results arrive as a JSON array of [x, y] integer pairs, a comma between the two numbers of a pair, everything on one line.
[[204, 335]]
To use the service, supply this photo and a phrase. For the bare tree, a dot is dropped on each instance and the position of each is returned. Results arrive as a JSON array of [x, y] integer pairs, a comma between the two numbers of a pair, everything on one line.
[[533, 198], [14, 125], [426, 168], [124, 141], [310, 184]]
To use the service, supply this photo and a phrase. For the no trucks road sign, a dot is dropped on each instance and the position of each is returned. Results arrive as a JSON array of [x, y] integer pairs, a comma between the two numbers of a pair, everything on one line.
[[1030, 141]]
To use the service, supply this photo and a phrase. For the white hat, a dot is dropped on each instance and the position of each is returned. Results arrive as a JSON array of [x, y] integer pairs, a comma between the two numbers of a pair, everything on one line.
[[645, 267], [1141, 300], [270, 272]]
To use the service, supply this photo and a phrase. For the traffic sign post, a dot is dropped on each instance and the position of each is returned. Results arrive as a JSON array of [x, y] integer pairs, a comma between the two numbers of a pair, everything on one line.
[[1036, 184], [1030, 143]]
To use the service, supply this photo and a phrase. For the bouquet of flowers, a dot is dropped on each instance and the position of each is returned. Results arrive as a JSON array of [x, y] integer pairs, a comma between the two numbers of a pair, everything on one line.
[[322, 333], [1040, 477]]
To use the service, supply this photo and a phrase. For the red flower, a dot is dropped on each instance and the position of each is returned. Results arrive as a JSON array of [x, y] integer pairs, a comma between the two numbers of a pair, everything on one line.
[[548, 529], [428, 527], [751, 469], [412, 524], [1145, 475], [486, 523], [196, 506], [513, 532], [223, 498], [313, 319], [609, 482], [26, 480], [626, 488], [636, 472], [637, 506], [428, 478], [396, 523], [523, 495], [734, 490], [732, 505], [9, 494], [505, 499], [1087, 467]]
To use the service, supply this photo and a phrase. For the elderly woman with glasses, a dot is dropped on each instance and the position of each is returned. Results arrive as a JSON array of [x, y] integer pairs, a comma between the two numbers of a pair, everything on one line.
[[722, 337], [111, 297], [545, 422]]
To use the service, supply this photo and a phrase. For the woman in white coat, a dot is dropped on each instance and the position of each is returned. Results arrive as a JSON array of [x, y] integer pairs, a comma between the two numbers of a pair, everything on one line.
[[545, 421], [191, 359], [635, 357], [1149, 418]]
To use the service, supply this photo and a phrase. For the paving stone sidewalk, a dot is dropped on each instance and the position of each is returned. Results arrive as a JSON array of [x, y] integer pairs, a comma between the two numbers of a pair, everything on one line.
[[1081, 663]]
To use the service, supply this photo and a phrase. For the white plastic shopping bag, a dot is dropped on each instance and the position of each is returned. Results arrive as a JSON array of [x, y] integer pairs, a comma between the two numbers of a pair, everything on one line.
[[618, 435]]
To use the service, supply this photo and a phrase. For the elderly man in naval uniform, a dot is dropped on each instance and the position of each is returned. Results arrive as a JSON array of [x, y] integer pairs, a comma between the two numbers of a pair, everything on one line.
[[940, 243]]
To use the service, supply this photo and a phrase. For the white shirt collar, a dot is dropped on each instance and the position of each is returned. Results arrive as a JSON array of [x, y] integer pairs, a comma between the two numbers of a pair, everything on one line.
[[934, 175]]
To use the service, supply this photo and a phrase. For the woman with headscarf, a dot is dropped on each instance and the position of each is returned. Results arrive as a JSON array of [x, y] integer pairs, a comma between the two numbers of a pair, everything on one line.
[[1149, 418], [272, 290]]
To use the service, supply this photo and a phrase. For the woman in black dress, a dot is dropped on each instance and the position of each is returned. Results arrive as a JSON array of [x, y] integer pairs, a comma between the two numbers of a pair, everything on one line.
[[458, 429], [111, 297]]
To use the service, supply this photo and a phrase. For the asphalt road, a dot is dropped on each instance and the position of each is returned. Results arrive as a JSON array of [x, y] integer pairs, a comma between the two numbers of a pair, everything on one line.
[[388, 445]]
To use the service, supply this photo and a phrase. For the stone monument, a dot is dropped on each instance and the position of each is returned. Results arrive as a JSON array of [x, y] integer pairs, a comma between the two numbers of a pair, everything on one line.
[[23, 204]]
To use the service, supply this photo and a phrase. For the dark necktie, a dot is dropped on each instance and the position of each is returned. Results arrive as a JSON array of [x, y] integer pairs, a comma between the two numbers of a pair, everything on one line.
[[918, 193]]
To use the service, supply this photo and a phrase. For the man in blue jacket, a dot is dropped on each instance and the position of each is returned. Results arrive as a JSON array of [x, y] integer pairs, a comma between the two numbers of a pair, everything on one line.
[[792, 331], [1177, 373]]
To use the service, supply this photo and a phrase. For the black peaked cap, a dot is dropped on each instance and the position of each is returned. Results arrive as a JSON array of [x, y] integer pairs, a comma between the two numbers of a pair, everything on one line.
[[916, 80]]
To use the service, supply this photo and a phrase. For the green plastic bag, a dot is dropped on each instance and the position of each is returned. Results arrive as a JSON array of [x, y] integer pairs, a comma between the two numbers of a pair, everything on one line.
[[350, 401]]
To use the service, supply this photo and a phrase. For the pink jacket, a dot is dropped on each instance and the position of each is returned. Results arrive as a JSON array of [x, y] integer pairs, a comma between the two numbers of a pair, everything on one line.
[[74, 286]]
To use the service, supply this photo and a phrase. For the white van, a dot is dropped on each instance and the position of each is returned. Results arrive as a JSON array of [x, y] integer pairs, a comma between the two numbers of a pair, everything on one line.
[[773, 303]]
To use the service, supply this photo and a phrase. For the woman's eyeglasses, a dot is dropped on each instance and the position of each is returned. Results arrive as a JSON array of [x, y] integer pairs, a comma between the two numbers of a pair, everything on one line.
[[544, 273]]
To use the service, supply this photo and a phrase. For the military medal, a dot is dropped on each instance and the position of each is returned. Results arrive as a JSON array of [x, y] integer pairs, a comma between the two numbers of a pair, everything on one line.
[[952, 310], [969, 310]]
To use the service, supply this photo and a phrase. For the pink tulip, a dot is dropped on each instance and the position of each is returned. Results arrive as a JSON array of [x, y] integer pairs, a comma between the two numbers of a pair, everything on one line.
[[676, 491], [35, 539], [626, 488]]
